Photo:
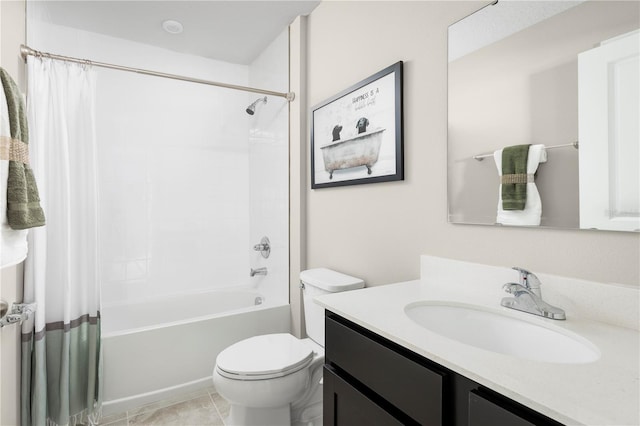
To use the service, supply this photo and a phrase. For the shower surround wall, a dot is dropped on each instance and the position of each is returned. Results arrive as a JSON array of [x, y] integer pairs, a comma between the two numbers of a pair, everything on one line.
[[188, 181]]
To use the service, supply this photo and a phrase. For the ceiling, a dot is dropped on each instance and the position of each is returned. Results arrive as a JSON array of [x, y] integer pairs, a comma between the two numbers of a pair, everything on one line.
[[499, 20], [232, 31]]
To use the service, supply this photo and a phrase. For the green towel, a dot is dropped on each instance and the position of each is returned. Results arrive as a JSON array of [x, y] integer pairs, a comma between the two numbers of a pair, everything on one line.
[[23, 201], [514, 177]]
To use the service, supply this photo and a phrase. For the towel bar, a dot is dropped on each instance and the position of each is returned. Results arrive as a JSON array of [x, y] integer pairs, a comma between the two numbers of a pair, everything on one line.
[[573, 144], [19, 312]]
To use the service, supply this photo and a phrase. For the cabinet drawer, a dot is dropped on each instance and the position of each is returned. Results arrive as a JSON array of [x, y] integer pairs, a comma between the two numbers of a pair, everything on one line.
[[345, 406], [411, 387]]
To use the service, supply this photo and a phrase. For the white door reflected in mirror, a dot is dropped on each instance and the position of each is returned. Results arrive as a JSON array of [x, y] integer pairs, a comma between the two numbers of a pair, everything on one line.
[[609, 107]]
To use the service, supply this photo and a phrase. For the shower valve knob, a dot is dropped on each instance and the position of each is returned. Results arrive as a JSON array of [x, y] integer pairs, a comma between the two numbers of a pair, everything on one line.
[[264, 247]]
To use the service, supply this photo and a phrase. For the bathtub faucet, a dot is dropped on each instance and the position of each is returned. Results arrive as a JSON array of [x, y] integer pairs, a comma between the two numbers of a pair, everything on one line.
[[258, 271]]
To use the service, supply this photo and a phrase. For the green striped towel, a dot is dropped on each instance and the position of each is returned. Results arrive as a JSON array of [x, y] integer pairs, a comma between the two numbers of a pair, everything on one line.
[[23, 201], [514, 166]]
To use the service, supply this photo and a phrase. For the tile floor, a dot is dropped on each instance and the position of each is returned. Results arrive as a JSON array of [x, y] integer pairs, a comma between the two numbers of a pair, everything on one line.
[[201, 408]]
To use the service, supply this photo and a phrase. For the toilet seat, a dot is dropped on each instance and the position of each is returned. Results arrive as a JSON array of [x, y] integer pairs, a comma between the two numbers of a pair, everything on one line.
[[264, 357]]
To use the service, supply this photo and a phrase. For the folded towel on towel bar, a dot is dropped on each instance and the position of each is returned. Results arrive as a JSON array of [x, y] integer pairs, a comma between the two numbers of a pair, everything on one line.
[[531, 214]]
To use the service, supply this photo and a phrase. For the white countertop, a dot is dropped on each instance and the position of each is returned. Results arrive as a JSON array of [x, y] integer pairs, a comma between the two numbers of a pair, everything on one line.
[[604, 392]]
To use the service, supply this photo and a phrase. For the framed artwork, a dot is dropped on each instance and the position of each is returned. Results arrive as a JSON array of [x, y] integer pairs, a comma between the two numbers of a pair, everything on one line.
[[356, 135]]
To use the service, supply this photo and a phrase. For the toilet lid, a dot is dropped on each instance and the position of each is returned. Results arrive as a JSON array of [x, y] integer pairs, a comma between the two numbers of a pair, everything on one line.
[[264, 357]]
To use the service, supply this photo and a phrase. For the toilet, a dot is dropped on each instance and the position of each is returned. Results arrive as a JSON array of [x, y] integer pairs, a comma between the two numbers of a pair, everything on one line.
[[276, 379]]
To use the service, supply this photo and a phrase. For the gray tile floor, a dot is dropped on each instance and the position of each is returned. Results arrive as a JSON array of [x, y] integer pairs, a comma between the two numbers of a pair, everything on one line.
[[202, 408]]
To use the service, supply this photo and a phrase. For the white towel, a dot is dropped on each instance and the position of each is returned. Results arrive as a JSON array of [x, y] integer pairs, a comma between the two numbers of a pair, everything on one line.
[[532, 212], [13, 243]]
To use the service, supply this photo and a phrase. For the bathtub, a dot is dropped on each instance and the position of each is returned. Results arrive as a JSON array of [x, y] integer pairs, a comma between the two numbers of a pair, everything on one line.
[[159, 349], [360, 150]]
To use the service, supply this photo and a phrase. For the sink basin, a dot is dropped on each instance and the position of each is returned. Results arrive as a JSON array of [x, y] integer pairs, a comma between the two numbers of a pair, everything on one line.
[[498, 332]]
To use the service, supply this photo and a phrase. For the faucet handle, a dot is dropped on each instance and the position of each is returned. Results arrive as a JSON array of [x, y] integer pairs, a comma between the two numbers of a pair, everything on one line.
[[529, 280], [523, 272]]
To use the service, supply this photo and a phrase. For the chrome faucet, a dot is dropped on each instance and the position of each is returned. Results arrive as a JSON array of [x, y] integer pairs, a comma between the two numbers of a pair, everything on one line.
[[527, 297], [258, 271]]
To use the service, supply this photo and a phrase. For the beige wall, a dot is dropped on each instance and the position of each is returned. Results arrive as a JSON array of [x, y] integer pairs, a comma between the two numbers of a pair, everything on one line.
[[10, 291], [12, 34], [378, 231]]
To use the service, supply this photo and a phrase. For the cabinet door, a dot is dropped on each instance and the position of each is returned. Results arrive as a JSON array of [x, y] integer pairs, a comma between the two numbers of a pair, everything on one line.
[[410, 387], [344, 405], [483, 412]]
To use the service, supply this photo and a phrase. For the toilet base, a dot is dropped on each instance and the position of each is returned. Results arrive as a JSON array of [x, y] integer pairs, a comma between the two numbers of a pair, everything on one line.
[[250, 416], [310, 416]]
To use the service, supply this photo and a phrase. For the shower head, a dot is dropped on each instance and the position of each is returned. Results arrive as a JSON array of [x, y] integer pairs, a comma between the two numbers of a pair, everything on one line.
[[251, 109]]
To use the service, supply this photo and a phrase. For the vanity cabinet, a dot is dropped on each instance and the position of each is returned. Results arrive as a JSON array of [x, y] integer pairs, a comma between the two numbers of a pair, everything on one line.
[[369, 380]]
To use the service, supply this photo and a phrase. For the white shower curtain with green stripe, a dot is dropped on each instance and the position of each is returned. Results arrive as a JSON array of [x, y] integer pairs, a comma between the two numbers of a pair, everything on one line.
[[61, 354]]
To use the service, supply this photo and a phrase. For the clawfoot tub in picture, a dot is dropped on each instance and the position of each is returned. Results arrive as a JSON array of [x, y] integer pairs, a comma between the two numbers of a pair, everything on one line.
[[360, 150]]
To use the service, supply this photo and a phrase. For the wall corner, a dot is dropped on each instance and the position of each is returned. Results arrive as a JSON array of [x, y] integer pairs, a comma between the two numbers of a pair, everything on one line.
[[297, 167]]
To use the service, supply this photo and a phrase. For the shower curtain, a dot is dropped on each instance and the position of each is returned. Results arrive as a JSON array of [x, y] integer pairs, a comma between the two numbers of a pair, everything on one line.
[[61, 354]]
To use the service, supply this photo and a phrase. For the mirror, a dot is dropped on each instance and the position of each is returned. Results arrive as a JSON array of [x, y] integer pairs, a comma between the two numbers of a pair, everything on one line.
[[563, 74]]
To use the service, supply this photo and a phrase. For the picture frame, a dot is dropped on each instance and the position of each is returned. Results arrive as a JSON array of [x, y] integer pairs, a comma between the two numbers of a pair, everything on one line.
[[357, 135]]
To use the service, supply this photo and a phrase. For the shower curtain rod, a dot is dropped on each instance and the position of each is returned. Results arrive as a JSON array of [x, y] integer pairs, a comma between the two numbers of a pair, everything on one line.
[[27, 51]]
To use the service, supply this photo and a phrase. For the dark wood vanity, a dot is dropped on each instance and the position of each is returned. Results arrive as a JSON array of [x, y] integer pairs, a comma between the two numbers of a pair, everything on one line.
[[369, 380]]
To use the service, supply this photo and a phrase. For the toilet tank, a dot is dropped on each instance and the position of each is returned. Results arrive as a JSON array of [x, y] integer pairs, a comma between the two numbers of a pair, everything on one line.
[[316, 282]]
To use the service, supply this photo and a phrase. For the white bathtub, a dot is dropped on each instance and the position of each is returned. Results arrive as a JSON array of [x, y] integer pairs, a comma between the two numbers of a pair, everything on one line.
[[156, 350]]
